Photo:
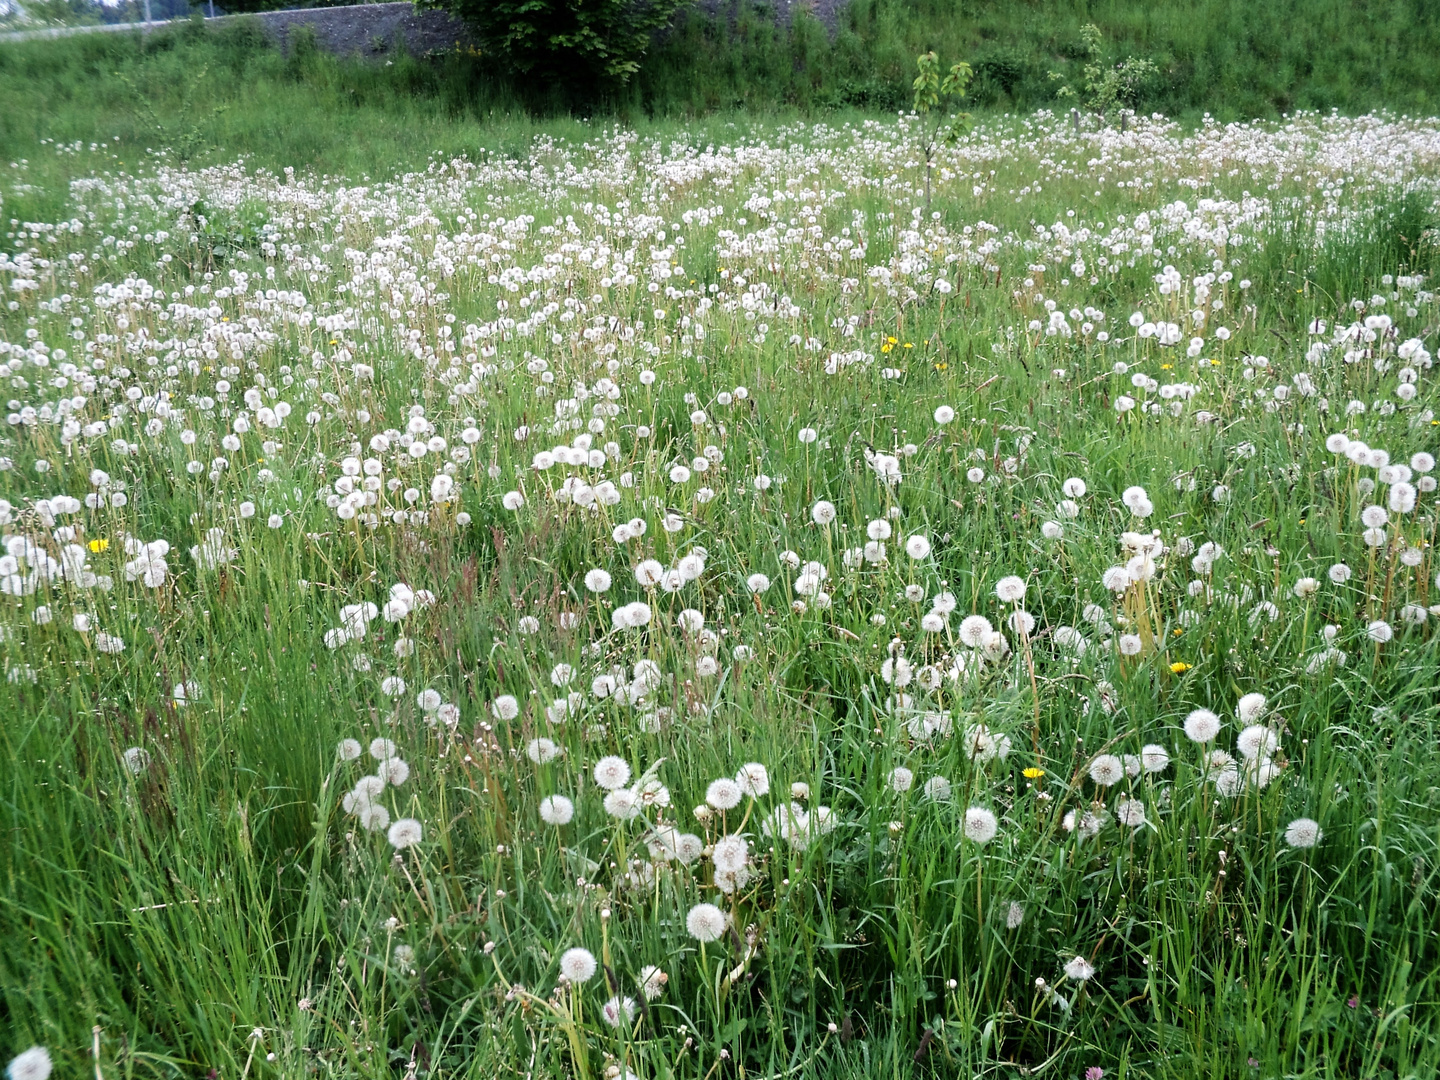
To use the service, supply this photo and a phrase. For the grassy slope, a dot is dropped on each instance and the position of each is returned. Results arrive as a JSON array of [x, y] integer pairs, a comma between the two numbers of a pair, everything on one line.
[[1228, 57], [215, 96]]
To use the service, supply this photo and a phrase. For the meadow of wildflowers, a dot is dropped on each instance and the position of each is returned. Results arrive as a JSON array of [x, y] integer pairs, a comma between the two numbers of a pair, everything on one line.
[[659, 608]]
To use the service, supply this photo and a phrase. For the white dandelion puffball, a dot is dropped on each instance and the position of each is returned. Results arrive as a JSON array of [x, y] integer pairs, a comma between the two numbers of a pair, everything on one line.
[[505, 707], [1134, 497], [652, 981], [706, 922], [612, 773], [405, 833], [618, 1011], [597, 581], [349, 749], [754, 780], [1010, 590], [937, 788], [1257, 742], [136, 759], [373, 817], [1107, 770], [381, 749], [917, 547], [1303, 833], [393, 771], [1201, 726], [730, 854], [823, 512], [1130, 812], [1154, 758], [556, 810], [32, 1064], [578, 965], [1014, 915], [1250, 708], [974, 630], [980, 825], [944, 414], [1079, 969], [757, 583], [542, 751], [1074, 488], [622, 804], [724, 794], [901, 779], [1379, 631], [1339, 573]]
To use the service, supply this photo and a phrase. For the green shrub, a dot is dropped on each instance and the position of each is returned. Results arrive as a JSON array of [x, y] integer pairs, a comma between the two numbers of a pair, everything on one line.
[[567, 41]]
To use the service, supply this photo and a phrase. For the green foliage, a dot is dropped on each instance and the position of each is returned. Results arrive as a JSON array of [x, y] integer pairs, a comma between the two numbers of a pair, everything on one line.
[[930, 92], [1108, 88], [594, 42]]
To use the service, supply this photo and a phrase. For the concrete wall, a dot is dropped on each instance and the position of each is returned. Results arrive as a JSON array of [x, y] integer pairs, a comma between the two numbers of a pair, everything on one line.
[[373, 29]]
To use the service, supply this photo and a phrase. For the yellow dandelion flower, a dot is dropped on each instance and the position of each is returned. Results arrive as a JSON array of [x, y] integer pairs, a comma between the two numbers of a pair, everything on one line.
[[1033, 773], [99, 544], [1179, 667]]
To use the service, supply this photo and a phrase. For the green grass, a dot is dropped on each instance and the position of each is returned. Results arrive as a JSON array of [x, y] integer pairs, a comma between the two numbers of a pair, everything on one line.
[[209, 95], [187, 910], [1228, 58]]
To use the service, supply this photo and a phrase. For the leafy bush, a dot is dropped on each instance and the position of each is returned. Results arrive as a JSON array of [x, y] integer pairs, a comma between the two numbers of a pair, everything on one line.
[[565, 41], [1107, 88]]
